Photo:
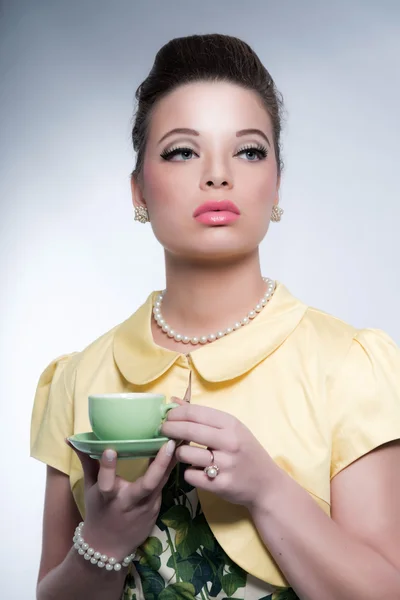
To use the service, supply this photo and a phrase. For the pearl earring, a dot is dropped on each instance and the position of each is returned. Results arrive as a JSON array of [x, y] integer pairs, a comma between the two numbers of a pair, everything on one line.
[[141, 214], [276, 214]]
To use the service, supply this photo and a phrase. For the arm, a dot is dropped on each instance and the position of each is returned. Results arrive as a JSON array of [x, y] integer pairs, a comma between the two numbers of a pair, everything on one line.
[[63, 574], [353, 556]]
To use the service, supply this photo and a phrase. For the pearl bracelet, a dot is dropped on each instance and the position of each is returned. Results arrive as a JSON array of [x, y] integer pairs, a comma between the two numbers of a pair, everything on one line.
[[97, 558]]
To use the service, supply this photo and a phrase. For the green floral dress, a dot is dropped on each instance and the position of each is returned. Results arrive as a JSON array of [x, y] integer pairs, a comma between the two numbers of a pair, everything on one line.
[[183, 560]]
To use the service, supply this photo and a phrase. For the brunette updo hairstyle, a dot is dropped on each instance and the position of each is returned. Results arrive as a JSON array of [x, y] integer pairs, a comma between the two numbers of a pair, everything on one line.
[[210, 57]]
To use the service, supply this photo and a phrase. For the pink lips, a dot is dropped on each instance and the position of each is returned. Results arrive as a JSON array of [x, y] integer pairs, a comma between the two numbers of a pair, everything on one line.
[[217, 212]]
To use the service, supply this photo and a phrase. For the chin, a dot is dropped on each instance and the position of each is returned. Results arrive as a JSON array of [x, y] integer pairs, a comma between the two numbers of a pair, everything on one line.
[[212, 252], [212, 243]]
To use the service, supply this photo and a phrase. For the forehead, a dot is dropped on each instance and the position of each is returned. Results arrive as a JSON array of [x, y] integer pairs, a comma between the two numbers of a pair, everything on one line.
[[209, 107]]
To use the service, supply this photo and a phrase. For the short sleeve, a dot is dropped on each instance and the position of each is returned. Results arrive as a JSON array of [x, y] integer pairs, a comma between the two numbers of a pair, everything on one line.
[[52, 417], [364, 398]]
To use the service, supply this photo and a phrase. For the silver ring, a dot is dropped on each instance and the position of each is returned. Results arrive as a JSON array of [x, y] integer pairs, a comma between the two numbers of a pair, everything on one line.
[[212, 470]]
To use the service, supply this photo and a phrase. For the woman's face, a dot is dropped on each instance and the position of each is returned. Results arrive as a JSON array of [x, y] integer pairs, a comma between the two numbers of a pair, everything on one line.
[[184, 170]]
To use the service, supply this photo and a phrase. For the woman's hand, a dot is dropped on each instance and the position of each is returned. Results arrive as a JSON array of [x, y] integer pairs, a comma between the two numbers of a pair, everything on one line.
[[246, 470], [120, 514]]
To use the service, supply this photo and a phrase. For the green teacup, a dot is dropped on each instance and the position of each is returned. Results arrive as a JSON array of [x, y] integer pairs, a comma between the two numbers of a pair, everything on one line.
[[127, 416]]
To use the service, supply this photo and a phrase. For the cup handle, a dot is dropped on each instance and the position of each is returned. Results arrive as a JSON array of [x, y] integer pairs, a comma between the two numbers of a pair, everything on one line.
[[165, 408]]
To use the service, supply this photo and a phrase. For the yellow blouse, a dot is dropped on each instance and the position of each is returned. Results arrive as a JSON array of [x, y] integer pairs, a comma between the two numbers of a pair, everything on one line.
[[316, 392]]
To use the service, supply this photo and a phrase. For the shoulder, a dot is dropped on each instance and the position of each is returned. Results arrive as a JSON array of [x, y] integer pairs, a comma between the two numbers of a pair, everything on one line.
[[329, 326], [99, 356], [95, 355], [337, 341], [324, 338]]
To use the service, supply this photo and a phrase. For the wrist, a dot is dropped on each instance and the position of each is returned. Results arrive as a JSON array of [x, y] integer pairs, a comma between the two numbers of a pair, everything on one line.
[[268, 491], [96, 555], [85, 568]]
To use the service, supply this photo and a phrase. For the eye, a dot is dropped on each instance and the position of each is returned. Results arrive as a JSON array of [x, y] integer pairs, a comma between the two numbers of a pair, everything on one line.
[[259, 151], [171, 152]]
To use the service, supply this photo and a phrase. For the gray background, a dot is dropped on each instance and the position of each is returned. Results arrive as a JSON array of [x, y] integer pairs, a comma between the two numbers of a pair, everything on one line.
[[73, 263]]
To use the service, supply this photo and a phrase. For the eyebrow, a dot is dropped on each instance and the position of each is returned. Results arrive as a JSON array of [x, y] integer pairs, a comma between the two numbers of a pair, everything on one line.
[[194, 132]]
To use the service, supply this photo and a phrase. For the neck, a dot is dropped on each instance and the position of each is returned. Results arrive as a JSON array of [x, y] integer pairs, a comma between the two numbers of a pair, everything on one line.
[[203, 298]]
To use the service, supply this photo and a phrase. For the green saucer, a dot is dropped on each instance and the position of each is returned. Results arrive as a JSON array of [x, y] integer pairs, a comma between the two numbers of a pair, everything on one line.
[[90, 444]]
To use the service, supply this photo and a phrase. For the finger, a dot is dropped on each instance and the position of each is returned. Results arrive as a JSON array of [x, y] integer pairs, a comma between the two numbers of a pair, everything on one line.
[[90, 466], [156, 493], [197, 457], [198, 479], [201, 414], [195, 432], [107, 474], [168, 472], [156, 472], [178, 400]]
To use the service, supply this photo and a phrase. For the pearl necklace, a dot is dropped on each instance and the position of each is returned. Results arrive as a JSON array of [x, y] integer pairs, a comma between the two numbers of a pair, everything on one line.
[[204, 339]]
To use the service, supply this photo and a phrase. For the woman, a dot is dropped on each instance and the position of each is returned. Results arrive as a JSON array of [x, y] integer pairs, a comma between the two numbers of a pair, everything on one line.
[[288, 484]]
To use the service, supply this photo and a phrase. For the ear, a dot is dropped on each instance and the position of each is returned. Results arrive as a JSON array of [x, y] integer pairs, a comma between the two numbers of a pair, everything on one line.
[[137, 192]]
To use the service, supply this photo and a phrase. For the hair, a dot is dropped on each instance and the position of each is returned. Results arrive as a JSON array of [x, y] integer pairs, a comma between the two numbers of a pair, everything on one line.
[[211, 57]]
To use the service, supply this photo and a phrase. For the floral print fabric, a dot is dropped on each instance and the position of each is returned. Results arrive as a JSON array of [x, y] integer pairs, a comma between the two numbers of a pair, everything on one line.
[[182, 559]]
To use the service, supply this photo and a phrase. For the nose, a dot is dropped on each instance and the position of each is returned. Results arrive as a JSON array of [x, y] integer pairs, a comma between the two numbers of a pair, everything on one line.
[[216, 170], [216, 181]]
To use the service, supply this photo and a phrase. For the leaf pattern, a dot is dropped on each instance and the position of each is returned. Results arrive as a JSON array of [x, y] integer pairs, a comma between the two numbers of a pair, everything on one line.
[[288, 594], [182, 560], [185, 591], [150, 553]]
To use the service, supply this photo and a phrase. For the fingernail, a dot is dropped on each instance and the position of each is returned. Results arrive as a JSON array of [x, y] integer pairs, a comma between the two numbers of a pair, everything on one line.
[[110, 455], [170, 447]]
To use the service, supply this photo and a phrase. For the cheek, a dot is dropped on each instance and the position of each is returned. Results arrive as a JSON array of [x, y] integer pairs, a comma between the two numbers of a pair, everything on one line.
[[154, 184], [258, 200], [256, 184], [164, 190]]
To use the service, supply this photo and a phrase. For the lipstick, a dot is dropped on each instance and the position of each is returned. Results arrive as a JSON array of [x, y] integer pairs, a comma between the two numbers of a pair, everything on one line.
[[214, 212]]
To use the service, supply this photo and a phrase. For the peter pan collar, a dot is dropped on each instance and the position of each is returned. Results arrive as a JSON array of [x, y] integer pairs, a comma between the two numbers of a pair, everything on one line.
[[142, 361]]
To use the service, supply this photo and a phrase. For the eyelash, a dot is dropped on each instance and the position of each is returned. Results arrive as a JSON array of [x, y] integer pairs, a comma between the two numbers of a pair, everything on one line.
[[261, 150]]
